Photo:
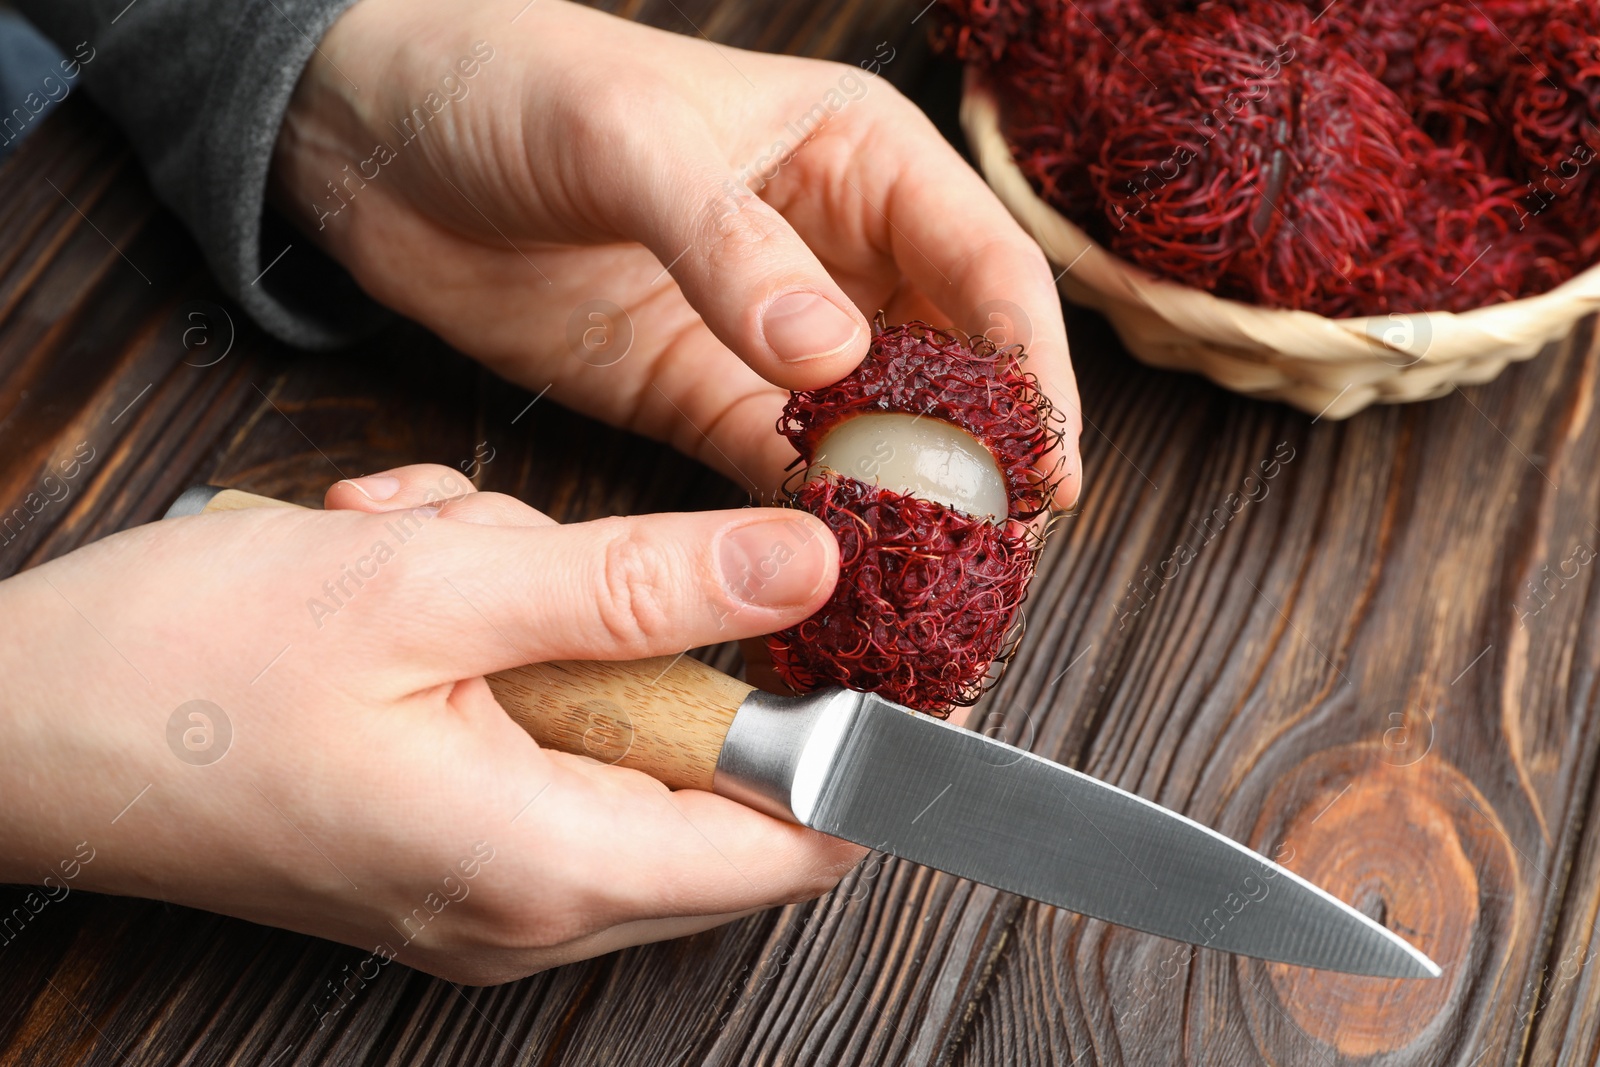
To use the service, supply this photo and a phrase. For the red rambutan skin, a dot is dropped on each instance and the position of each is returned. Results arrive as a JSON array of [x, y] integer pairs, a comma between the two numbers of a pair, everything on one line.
[[1249, 168], [971, 382], [1412, 155], [1552, 102], [927, 595], [924, 605]]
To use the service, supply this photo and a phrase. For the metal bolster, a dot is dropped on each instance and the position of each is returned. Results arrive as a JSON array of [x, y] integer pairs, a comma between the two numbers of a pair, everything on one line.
[[779, 750], [192, 501]]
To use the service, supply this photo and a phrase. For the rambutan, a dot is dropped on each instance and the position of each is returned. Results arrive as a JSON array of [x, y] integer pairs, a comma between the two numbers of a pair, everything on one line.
[[1356, 158], [926, 463]]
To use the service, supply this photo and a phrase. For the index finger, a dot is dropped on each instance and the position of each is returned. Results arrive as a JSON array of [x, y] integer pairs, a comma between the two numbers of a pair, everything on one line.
[[959, 245]]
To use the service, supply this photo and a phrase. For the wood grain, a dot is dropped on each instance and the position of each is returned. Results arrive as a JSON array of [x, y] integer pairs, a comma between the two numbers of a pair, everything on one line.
[[1383, 668], [666, 717]]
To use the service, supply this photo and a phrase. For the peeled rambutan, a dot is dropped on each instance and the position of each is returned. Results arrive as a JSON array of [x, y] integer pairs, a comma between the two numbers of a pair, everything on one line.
[[926, 464]]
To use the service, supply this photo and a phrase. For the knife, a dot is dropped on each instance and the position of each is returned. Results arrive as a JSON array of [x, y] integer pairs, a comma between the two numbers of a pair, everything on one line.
[[859, 767]]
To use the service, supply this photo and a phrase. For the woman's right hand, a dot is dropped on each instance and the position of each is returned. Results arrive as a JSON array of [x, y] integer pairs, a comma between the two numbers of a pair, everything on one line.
[[352, 776]]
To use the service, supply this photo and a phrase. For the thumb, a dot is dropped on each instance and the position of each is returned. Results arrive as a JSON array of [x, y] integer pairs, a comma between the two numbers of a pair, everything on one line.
[[483, 598], [741, 265]]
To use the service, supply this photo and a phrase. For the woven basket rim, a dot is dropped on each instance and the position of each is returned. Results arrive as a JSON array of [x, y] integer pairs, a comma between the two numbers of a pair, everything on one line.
[[1104, 278]]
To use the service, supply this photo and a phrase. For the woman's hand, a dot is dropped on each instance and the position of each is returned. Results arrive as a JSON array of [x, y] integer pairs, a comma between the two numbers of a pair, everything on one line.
[[351, 776], [567, 196]]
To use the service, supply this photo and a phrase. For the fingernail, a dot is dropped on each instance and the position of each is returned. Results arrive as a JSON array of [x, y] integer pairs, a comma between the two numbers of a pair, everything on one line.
[[376, 486], [773, 563], [1072, 484], [801, 326]]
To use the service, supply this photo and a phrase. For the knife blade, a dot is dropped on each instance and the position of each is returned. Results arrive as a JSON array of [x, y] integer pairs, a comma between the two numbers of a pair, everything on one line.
[[862, 768], [971, 806]]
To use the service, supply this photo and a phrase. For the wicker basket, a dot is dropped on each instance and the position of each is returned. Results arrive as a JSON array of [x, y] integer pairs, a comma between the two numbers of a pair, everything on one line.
[[1329, 367]]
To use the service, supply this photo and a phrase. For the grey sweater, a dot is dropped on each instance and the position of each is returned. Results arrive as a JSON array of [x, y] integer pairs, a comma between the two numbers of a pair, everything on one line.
[[200, 87]]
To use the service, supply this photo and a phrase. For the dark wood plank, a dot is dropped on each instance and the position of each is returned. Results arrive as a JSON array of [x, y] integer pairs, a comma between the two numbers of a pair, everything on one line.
[[1310, 681], [1320, 691], [1559, 1004]]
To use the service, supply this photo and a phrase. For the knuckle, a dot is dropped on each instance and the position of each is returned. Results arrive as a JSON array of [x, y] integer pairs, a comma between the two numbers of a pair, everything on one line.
[[385, 576], [535, 929], [824, 881], [483, 507], [892, 114], [1012, 246], [635, 592], [757, 232], [1027, 251], [436, 476], [830, 862], [482, 973], [512, 920], [887, 96], [448, 483], [1000, 255], [841, 858], [630, 114], [816, 884]]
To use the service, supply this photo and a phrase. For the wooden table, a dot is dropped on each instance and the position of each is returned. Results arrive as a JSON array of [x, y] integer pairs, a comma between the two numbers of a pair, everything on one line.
[[1385, 665]]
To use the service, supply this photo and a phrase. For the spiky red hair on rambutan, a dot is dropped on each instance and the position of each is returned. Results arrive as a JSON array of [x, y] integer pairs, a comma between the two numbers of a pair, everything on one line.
[[927, 595], [1362, 157]]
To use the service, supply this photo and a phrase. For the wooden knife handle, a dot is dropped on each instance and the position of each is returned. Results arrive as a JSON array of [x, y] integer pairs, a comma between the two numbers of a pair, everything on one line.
[[666, 717]]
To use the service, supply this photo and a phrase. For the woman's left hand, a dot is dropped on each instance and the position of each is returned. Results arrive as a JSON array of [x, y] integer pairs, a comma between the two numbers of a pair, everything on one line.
[[567, 196]]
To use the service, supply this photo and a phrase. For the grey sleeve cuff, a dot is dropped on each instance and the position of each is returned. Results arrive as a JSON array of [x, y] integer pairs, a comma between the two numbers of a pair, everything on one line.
[[201, 87]]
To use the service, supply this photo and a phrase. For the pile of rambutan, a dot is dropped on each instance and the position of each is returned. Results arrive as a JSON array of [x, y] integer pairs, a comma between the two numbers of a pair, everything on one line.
[[928, 596], [1350, 158]]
